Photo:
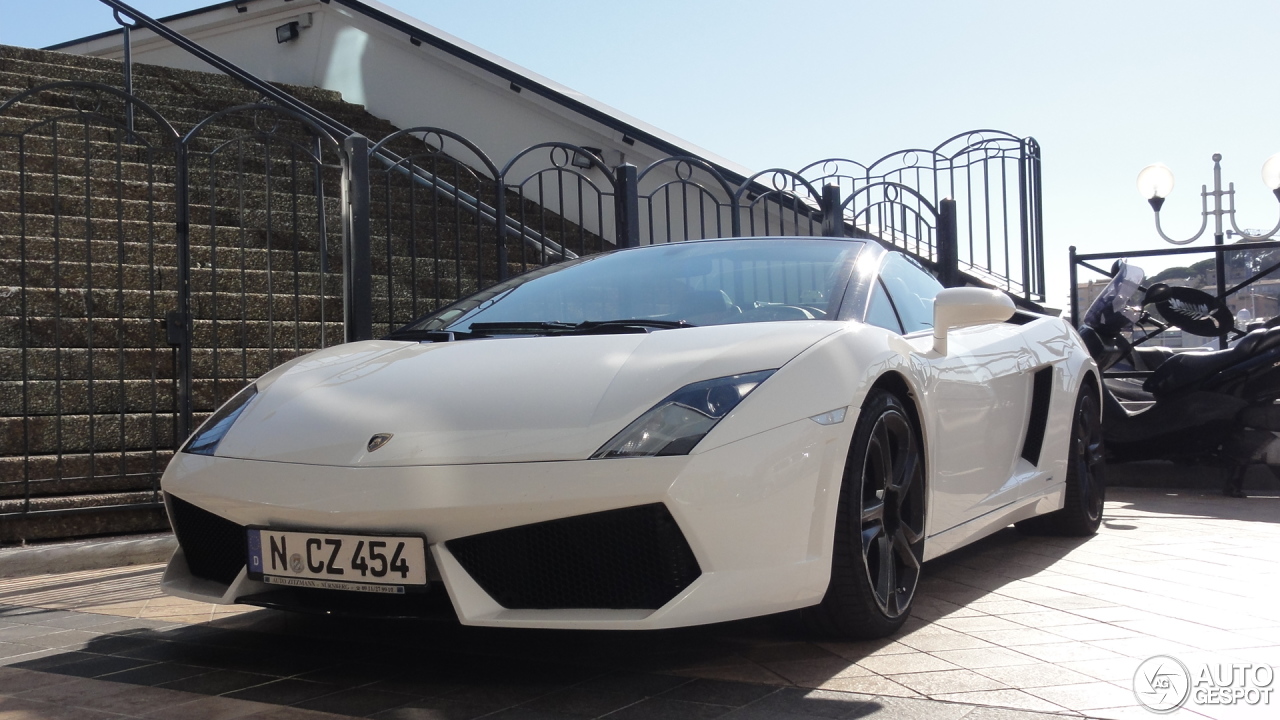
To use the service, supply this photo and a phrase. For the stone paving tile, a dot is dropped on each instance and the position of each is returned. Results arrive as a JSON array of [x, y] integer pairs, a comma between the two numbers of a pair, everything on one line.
[[209, 708], [1011, 699], [1092, 631], [979, 658], [869, 685], [716, 692], [812, 673], [1066, 652], [946, 681], [1117, 670], [1012, 624], [906, 663], [1085, 696], [1037, 675]]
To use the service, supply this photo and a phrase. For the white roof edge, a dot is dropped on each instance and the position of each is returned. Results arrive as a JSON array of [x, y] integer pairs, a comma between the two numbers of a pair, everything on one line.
[[572, 100], [569, 93]]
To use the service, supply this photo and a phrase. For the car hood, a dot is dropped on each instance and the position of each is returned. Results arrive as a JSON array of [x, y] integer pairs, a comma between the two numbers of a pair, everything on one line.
[[518, 399]]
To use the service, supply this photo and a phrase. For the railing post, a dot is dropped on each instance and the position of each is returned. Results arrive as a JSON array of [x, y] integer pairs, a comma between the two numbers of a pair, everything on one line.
[[832, 220], [178, 322], [128, 72], [1075, 291], [948, 244], [500, 225], [357, 271], [626, 211]]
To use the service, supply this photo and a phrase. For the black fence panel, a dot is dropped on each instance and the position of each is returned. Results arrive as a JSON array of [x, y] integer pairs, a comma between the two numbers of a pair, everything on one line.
[[148, 277], [685, 198], [87, 376], [561, 202], [994, 179], [431, 240], [265, 262]]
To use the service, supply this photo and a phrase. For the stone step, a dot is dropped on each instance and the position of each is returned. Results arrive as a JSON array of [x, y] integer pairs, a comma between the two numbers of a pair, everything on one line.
[[160, 255], [49, 435], [111, 519], [85, 287], [159, 169], [35, 125], [102, 137], [42, 228], [228, 247], [107, 179], [430, 256], [105, 395], [87, 64], [68, 502], [70, 209], [81, 473], [409, 207], [179, 115], [155, 81], [70, 272], [108, 334], [139, 363], [110, 395], [54, 57]]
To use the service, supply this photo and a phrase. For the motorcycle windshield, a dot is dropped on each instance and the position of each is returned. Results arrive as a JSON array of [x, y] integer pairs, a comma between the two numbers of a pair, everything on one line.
[[1113, 309]]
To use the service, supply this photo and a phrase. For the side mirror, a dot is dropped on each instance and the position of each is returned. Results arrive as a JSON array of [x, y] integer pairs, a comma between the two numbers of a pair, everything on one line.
[[963, 307]]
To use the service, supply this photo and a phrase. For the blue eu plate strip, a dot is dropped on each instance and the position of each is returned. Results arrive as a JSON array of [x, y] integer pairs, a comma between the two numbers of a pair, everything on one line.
[[255, 551]]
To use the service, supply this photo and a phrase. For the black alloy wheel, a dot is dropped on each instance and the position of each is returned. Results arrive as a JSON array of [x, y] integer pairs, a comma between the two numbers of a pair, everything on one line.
[[879, 527], [1086, 491]]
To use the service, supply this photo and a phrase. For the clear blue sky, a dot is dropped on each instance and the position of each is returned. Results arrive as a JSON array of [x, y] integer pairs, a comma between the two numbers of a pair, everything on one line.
[[1106, 86]]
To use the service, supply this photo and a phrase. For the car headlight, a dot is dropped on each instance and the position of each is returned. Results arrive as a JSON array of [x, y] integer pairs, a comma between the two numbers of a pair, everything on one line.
[[675, 425], [205, 440]]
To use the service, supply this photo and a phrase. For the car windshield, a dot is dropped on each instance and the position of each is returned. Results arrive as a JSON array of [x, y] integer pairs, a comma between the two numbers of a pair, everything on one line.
[[663, 286]]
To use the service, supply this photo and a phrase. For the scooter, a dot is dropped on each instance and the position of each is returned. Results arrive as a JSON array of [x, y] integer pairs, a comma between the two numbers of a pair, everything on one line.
[[1202, 406]]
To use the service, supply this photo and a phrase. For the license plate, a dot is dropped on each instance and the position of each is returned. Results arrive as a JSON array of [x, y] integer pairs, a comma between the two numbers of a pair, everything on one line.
[[390, 564]]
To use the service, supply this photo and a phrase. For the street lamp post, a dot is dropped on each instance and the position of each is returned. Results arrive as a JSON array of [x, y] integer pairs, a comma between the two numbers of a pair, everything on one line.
[[1155, 182]]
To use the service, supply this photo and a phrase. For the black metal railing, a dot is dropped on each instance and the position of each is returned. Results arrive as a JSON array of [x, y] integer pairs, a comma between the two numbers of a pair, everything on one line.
[[161, 270], [1242, 265]]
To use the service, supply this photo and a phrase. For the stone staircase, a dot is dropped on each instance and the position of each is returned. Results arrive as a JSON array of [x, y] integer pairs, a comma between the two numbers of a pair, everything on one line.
[[89, 270]]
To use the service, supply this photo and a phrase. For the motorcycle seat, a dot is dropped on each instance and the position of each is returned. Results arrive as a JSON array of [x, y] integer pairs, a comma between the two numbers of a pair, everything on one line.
[[1150, 358], [1187, 369]]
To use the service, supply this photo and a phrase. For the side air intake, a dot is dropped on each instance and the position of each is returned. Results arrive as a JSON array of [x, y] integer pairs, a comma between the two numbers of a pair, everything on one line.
[[1041, 388]]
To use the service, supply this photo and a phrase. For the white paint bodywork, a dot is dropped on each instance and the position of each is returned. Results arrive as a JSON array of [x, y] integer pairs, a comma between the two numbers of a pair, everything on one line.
[[497, 433]]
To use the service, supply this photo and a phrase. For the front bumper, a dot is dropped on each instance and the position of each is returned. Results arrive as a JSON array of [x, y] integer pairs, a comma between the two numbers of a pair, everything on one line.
[[757, 516]]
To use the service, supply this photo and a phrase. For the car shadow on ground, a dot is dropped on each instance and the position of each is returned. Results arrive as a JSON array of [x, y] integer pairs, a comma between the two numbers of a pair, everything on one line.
[[372, 667], [412, 669]]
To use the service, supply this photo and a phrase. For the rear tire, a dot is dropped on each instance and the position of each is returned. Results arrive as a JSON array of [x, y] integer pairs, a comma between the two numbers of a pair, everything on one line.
[[879, 543], [1086, 491]]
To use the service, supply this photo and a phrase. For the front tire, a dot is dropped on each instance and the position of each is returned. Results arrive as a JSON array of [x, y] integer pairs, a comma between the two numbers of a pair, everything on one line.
[[1081, 513], [879, 543]]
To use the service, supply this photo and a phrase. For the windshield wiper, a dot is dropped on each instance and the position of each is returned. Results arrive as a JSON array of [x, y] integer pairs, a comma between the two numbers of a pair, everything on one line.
[[415, 335], [640, 324], [522, 327], [549, 327]]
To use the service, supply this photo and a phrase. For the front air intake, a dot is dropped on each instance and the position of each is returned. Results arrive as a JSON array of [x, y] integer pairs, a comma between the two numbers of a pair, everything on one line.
[[632, 558], [216, 548]]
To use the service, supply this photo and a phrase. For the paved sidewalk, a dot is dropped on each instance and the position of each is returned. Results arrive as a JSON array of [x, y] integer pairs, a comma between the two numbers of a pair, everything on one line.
[[1012, 627]]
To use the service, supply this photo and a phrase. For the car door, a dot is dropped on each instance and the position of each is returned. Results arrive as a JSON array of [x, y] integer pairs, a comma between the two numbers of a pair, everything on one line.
[[978, 394]]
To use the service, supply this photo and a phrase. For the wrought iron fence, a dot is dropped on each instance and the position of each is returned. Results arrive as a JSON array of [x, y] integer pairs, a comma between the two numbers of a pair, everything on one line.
[[157, 272]]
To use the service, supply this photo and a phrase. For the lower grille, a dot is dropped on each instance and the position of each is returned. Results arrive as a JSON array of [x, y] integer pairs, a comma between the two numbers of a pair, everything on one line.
[[632, 558], [433, 604], [215, 547]]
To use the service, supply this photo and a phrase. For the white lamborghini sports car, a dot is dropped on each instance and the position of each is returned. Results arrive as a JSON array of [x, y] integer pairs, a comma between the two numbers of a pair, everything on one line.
[[654, 437]]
